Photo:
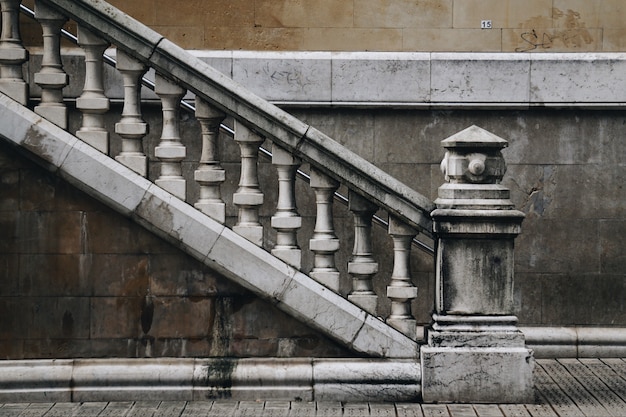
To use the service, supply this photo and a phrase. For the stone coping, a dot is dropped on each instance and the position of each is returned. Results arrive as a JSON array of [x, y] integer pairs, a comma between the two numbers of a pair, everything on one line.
[[406, 79], [576, 342], [189, 379]]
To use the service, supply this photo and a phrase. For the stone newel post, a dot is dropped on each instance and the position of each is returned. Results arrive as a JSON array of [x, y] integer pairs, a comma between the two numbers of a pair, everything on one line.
[[475, 351]]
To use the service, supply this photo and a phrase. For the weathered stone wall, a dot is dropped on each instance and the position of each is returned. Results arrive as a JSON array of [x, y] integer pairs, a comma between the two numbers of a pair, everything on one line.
[[79, 280], [566, 172], [377, 25]]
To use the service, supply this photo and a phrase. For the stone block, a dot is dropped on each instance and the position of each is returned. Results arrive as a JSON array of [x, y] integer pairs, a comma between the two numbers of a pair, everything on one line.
[[110, 233], [485, 268], [55, 275], [118, 317], [325, 13], [178, 317], [367, 302], [477, 375], [555, 78], [119, 275], [137, 163], [253, 38], [380, 77], [9, 274], [25, 379], [175, 186], [351, 128], [124, 376], [357, 380], [551, 252], [97, 139], [611, 14], [329, 279], [291, 257], [351, 39], [453, 40], [144, 11], [403, 14], [613, 40], [285, 76], [479, 78], [612, 239], [51, 232], [503, 14]]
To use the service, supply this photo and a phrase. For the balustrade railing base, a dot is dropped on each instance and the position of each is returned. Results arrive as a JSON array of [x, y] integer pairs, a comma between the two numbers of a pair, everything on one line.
[[477, 374]]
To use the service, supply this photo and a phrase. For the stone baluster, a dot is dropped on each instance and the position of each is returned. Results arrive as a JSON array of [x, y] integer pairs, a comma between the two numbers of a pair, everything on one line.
[[286, 220], [51, 78], [131, 127], [362, 267], [248, 197], [92, 102], [324, 242], [474, 331], [210, 174], [170, 150], [401, 290], [12, 53]]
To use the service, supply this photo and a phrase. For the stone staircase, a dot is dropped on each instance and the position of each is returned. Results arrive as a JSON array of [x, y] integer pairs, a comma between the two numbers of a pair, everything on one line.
[[157, 196]]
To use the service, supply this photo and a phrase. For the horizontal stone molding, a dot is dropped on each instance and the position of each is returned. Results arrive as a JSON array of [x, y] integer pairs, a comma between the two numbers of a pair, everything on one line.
[[576, 342], [188, 379], [409, 79]]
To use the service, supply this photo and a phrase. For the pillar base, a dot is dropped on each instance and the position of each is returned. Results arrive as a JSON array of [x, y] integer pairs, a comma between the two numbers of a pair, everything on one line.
[[477, 374]]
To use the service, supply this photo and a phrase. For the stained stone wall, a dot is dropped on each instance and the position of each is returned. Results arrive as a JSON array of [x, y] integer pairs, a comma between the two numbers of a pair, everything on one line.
[[566, 172], [377, 25], [79, 280]]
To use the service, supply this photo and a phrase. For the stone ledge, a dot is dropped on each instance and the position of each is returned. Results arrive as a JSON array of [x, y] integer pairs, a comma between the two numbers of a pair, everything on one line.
[[576, 342], [171, 379], [404, 79]]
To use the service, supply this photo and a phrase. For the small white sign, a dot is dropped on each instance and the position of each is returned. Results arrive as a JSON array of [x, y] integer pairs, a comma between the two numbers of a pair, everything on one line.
[[485, 24]]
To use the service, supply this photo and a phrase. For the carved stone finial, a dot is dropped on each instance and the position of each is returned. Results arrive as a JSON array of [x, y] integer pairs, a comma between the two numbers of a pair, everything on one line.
[[473, 167]]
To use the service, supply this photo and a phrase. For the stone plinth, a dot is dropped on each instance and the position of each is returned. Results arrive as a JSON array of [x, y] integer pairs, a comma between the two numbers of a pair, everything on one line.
[[475, 351]]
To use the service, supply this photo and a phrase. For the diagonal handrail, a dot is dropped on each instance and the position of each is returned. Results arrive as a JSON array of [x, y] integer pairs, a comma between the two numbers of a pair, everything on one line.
[[286, 131], [266, 153]]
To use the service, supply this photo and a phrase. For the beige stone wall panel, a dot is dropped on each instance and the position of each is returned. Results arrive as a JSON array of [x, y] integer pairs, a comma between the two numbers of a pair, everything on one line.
[[144, 10], [452, 40], [576, 13], [612, 14], [187, 37], [304, 13], [254, 38], [502, 13], [233, 13], [403, 13], [551, 40], [352, 40], [614, 40]]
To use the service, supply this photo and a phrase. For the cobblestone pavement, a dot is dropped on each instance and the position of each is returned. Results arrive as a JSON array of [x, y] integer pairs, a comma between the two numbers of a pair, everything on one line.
[[565, 388]]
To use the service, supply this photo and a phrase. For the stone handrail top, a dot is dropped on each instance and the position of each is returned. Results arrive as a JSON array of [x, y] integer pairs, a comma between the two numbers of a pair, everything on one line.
[[266, 119]]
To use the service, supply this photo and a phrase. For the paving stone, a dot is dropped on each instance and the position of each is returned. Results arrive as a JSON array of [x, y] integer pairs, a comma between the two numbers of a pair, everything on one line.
[[409, 410], [115, 409], [89, 409], [514, 410], [461, 410], [196, 408], [435, 410], [487, 410]]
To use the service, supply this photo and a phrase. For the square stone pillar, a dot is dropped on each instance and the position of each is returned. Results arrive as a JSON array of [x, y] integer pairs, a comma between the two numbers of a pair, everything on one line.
[[475, 352]]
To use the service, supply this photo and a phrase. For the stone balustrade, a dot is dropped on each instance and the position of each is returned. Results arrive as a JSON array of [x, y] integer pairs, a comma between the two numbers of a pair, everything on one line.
[[475, 223], [171, 151]]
